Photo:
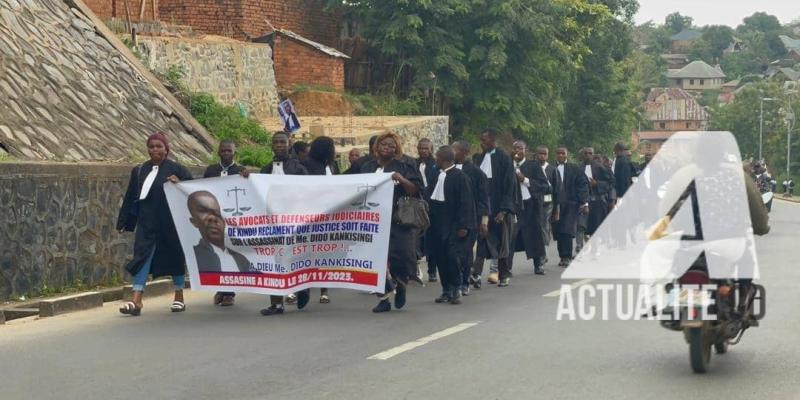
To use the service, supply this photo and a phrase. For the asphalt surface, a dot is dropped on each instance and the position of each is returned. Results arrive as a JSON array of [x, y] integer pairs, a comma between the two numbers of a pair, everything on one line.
[[516, 348]]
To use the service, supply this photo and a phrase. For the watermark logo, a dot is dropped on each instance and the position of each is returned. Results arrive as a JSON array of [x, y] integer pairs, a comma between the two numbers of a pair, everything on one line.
[[687, 209]]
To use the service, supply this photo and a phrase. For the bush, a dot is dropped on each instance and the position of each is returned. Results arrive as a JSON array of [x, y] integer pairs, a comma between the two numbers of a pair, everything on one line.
[[223, 121]]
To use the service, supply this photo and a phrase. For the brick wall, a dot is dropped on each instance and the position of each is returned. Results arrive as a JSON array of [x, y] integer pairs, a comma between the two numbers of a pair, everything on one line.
[[237, 19], [297, 63], [107, 9]]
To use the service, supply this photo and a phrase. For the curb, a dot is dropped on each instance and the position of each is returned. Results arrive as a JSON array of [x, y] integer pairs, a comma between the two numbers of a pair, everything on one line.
[[17, 313], [2, 317], [68, 304]]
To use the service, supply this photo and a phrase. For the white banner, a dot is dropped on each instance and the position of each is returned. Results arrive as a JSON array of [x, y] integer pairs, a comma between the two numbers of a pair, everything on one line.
[[277, 234]]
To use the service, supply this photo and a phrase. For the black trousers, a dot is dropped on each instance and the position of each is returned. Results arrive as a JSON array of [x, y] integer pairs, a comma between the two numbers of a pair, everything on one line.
[[564, 245]]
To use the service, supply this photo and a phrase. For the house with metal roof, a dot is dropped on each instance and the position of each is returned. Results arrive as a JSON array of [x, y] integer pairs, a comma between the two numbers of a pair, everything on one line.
[[682, 41], [698, 75], [792, 47]]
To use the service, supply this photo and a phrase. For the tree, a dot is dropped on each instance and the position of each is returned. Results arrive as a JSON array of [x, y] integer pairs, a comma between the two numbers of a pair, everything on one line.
[[676, 22], [770, 27], [502, 63]]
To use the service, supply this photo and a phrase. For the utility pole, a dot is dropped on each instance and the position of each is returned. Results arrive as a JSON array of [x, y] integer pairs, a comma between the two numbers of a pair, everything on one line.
[[761, 128]]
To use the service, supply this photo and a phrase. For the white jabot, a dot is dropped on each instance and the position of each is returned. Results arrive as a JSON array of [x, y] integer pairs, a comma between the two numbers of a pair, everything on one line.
[[460, 166], [438, 191], [226, 261], [422, 172], [328, 170], [486, 164], [544, 170], [523, 187], [560, 169], [277, 168], [588, 171], [148, 183]]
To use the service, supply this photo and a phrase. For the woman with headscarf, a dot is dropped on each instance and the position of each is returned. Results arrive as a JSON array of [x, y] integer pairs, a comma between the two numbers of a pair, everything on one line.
[[388, 157], [321, 160], [156, 250]]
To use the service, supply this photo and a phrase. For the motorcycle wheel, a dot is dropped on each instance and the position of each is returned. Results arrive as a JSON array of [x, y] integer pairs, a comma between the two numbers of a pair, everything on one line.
[[699, 350], [721, 347]]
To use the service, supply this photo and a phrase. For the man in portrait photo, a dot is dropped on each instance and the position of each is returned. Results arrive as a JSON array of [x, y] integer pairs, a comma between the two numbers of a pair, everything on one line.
[[211, 253], [288, 116]]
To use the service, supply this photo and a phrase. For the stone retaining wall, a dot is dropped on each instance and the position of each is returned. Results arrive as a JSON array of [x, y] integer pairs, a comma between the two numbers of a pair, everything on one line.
[[232, 71], [57, 226]]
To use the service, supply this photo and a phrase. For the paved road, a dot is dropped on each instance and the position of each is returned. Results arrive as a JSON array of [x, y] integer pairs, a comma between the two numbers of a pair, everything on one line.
[[515, 350]]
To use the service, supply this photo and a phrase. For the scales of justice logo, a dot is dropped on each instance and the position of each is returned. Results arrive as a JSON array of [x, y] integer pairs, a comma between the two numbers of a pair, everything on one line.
[[365, 204], [238, 210]]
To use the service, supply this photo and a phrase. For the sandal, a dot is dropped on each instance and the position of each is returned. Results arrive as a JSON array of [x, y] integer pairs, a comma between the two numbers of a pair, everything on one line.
[[130, 308], [177, 306], [324, 299], [291, 299], [226, 301]]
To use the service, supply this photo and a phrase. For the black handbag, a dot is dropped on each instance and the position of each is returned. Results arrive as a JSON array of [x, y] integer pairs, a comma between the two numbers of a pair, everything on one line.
[[412, 212]]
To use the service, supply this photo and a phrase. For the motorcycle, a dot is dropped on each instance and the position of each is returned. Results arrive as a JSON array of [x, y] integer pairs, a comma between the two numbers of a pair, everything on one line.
[[736, 307]]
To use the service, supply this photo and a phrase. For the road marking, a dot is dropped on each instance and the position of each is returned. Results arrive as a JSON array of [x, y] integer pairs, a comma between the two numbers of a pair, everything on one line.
[[556, 293], [385, 355]]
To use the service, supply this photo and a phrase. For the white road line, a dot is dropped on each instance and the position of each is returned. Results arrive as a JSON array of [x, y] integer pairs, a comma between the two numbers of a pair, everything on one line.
[[385, 355], [574, 285]]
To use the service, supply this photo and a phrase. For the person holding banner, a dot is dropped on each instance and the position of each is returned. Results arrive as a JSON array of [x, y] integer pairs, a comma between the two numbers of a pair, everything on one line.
[[452, 220], [388, 154], [321, 160], [225, 167], [282, 164], [156, 250]]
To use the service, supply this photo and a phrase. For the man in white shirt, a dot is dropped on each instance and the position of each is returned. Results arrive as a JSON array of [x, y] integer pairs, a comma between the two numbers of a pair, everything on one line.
[[210, 253]]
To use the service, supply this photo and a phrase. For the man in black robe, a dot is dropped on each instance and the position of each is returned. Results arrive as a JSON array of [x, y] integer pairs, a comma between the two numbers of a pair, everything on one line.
[[572, 198], [549, 201], [356, 166], [452, 211], [225, 167], [624, 170], [479, 185], [528, 235], [504, 202], [426, 165], [282, 164], [601, 182]]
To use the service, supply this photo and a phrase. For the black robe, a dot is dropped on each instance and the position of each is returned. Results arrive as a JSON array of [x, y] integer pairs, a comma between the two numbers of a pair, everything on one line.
[[215, 170], [152, 221], [528, 235], [479, 185], [599, 196], [624, 171], [402, 240], [431, 170], [459, 207], [316, 167], [291, 166], [504, 195], [572, 191], [355, 166]]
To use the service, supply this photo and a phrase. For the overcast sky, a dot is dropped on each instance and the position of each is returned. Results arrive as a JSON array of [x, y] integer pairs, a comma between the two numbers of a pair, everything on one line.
[[717, 12]]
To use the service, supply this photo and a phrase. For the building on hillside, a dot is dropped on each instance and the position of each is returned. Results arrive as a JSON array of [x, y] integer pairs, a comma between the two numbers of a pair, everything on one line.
[[299, 60], [792, 47], [674, 109], [784, 74], [697, 76], [675, 61], [682, 41], [236, 19], [668, 110]]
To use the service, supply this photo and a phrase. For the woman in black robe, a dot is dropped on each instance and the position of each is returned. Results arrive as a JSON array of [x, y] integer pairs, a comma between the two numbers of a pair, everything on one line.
[[388, 154], [321, 160], [157, 249]]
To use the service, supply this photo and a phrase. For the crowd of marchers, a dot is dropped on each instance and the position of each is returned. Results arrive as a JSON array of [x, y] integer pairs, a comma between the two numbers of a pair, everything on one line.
[[484, 204]]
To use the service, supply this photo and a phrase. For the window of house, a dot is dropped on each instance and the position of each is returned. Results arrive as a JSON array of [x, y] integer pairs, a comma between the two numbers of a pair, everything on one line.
[[702, 82], [691, 81], [688, 125], [662, 125]]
